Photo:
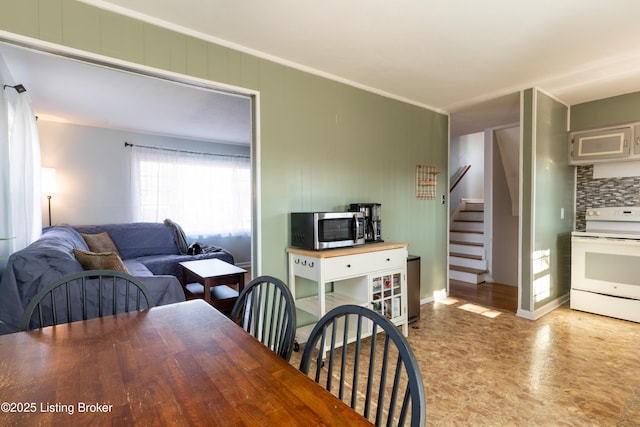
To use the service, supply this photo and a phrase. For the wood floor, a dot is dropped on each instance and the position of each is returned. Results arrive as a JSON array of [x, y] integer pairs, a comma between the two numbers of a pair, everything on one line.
[[493, 368], [492, 295]]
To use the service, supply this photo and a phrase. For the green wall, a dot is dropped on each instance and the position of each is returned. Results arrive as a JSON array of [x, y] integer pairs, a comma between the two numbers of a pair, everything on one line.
[[554, 188], [548, 187], [606, 112], [526, 212], [323, 144]]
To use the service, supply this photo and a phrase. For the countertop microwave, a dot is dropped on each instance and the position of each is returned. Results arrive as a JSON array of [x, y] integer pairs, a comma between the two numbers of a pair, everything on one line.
[[327, 230]]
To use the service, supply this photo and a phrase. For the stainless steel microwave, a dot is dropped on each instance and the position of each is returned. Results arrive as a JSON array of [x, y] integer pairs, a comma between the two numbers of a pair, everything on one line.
[[327, 230]]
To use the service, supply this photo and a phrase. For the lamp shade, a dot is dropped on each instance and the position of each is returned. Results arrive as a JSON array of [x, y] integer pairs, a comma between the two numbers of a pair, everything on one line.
[[49, 181]]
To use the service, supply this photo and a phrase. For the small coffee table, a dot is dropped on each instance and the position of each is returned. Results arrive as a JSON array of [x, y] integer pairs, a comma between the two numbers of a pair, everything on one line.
[[211, 273]]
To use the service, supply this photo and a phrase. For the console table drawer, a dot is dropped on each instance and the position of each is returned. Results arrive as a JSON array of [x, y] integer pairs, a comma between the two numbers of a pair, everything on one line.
[[393, 258], [355, 265]]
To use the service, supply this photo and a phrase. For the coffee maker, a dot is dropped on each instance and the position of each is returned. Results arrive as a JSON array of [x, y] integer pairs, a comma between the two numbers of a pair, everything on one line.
[[372, 220]]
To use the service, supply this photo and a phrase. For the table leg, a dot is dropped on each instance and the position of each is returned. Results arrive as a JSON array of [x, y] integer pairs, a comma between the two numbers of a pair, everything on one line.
[[240, 282], [207, 290]]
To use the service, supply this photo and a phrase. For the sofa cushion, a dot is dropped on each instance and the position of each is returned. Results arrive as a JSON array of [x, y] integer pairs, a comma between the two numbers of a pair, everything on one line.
[[99, 242], [136, 268], [170, 264], [137, 239], [100, 261]]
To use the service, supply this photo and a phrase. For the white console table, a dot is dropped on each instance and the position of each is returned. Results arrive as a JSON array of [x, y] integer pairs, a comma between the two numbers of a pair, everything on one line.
[[372, 275]]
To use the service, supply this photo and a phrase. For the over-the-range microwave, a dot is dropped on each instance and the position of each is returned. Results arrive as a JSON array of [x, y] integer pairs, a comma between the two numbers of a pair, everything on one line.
[[327, 230]]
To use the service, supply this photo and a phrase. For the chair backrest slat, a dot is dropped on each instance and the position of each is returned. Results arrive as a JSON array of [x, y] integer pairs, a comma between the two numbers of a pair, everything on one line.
[[85, 313], [395, 389], [319, 363], [383, 381], [343, 365], [276, 320], [85, 289], [53, 308], [100, 296], [68, 292], [372, 365], [40, 313], [332, 354], [356, 361], [265, 308], [391, 385]]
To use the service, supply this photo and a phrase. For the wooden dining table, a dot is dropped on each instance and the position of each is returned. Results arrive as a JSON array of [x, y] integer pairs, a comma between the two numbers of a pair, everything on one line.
[[179, 364]]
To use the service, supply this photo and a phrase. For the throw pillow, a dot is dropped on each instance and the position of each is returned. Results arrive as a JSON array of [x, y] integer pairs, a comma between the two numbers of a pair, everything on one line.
[[100, 242], [100, 261]]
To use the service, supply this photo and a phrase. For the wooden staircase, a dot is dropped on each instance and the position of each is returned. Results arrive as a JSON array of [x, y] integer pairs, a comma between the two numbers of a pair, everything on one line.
[[466, 244]]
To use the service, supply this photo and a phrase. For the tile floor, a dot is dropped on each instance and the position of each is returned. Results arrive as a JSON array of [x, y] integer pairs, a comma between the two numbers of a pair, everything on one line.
[[487, 367]]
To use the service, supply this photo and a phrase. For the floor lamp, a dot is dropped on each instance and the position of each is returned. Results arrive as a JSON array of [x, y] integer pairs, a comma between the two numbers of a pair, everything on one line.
[[49, 186]]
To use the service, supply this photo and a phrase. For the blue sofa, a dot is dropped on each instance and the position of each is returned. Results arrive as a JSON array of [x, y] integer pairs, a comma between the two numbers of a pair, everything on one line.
[[149, 251]]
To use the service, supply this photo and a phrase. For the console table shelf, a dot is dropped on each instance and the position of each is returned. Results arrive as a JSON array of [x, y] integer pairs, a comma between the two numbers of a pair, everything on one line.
[[331, 299]]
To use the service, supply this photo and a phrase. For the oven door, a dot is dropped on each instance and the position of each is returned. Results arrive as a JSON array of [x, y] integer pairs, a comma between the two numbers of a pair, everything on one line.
[[606, 266]]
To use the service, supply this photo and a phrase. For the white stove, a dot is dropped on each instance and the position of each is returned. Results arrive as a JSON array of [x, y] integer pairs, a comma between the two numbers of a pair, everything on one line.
[[605, 263]]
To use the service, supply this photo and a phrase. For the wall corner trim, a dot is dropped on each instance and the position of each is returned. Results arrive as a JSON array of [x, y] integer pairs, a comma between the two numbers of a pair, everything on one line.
[[544, 310]]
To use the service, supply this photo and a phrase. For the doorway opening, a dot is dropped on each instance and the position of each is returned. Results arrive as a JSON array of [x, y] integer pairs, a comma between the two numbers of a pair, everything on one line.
[[485, 203], [214, 113]]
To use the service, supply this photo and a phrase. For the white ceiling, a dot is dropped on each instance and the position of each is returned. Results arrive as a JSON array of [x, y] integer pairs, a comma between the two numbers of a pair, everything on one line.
[[445, 54], [465, 57], [67, 90]]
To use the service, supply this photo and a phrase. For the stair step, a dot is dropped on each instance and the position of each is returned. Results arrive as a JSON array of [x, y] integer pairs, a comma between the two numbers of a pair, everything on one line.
[[464, 236], [468, 256], [467, 262], [460, 242], [466, 277], [470, 215], [475, 207], [467, 269], [466, 225], [457, 230], [462, 249]]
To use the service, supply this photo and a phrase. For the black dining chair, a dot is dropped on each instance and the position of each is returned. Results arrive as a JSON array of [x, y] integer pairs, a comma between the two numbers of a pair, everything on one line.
[[265, 308], [377, 375], [85, 295]]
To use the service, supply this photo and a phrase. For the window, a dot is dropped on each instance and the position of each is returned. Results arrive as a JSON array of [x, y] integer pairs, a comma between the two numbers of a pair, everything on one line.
[[206, 194]]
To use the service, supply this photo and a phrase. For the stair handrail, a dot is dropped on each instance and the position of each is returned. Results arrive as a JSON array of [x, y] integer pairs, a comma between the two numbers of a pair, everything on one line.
[[457, 177]]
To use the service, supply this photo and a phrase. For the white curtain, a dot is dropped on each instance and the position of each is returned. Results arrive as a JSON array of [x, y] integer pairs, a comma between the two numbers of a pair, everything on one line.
[[206, 194], [20, 178]]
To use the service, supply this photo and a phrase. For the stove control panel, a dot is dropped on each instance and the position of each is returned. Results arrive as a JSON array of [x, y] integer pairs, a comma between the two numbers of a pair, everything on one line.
[[614, 214]]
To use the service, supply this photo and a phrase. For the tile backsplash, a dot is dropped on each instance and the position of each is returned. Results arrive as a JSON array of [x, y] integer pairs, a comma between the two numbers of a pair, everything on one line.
[[603, 192]]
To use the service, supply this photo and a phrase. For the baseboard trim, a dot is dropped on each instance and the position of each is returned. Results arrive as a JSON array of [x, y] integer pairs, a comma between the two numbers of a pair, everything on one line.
[[545, 309], [526, 314], [427, 300]]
